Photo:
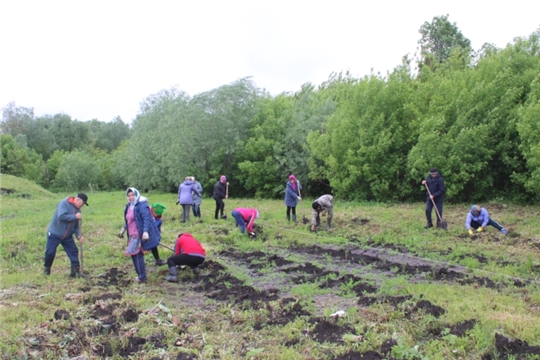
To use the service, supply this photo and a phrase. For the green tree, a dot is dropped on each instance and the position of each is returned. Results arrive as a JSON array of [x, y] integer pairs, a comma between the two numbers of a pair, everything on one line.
[[69, 135], [362, 148], [109, 135], [18, 160], [175, 136], [439, 39], [52, 166], [41, 137], [78, 172], [16, 119]]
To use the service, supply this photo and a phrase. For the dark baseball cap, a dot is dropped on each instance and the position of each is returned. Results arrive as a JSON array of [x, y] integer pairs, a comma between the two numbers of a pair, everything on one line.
[[83, 197]]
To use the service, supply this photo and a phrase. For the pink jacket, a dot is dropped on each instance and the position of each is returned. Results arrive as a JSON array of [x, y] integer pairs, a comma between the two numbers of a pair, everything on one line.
[[249, 216]]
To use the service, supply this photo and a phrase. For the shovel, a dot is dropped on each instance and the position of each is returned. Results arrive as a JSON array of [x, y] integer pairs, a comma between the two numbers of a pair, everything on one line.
[[442, 223], [81, 270], [300, 195]]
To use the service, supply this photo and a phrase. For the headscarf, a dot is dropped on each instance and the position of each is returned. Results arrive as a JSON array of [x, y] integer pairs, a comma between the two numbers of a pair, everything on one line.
[[294, 183], [136, 193]]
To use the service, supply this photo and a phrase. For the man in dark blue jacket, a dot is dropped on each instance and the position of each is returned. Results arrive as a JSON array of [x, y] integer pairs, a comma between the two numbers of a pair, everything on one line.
[[65, 224], [435, 193]]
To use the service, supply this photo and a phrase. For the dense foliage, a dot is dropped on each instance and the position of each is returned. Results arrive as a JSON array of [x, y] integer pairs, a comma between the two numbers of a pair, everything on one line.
[[474, 116]]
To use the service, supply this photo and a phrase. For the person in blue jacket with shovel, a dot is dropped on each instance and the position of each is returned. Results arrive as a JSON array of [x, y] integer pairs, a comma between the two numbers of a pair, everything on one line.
[[143, 233]]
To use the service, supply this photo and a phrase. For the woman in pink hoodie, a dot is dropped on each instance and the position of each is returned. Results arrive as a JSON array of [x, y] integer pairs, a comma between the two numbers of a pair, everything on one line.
[[245, 216]]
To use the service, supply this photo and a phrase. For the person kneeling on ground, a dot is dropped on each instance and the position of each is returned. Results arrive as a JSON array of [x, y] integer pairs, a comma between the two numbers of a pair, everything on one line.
[[187, 251], [245, 216], [324, 204], [478, 218]]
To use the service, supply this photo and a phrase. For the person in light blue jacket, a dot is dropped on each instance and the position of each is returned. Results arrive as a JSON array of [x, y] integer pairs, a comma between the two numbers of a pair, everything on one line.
[[197, 199], [478, 218], [185, 197]]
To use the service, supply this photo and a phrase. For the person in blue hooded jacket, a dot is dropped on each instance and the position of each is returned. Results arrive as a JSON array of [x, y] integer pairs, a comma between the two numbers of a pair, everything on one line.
[[478, 218], [142, 232], [185, 197], [292, 196]]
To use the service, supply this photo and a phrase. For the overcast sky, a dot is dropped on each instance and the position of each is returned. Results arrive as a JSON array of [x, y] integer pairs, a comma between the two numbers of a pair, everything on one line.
[[100, 59]]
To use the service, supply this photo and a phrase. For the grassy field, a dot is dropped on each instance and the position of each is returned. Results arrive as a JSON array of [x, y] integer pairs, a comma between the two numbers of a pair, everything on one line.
[[405, 292]]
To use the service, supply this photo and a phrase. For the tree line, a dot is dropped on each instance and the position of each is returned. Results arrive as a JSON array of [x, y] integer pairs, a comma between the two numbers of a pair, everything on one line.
[[475, 115]]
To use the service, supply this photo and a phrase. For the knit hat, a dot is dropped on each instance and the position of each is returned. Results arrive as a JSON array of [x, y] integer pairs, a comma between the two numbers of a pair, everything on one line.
[[433, 171], [223, 178], [475, 209]]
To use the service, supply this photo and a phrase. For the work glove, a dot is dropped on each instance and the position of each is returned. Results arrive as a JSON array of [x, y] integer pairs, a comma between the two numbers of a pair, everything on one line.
[[251, 234], [145, 236], [299, 198], [121, 233], [178, 202], [471, 232], [480, 229]]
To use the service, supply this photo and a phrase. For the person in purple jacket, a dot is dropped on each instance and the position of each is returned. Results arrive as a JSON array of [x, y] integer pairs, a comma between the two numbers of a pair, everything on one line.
[[478, 218], [185, 197]]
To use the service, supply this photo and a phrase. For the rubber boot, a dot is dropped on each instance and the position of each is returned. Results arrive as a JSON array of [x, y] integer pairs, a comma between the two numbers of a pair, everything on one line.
[[294, 218], [173, 274], [160, 262], [47, 271], [75, 271], [289, 217], [328, 224]]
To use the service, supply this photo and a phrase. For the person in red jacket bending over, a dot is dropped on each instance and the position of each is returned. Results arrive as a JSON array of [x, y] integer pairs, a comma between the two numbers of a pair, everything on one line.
[[187, 251], [245, 218]]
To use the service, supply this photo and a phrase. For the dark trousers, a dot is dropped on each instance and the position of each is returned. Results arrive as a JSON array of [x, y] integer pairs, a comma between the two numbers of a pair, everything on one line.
[[220, 207], [196, 210], [184, 259], [289, 208], [140, 267], [475, 224], [155, 252], [429, 208], [69, 247]]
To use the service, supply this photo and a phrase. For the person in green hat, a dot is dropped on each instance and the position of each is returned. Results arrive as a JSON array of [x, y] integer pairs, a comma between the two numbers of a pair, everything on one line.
[[156, 210]]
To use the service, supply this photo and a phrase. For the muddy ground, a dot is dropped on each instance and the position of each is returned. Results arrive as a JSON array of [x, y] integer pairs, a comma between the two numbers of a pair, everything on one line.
[[101, 326]]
